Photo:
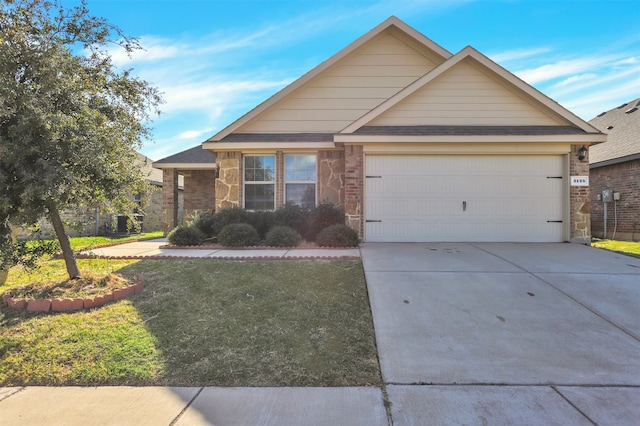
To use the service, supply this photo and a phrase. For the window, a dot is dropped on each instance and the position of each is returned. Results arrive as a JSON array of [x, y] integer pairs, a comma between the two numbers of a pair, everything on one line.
[[300, 180], [259, 182]]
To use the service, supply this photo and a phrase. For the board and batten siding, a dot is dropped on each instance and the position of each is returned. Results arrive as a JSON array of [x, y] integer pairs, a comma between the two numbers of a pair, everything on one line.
[[350, 88], [464, 95]]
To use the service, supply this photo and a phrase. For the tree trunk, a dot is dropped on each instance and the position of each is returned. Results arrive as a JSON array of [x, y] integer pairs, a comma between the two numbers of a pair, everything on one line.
[[67, 252], [4, 273]]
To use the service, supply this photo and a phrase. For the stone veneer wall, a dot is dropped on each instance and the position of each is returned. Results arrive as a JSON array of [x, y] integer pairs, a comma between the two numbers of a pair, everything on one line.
[[227, 187], [625, 179], [580, 203], [354, 187], [331, 177], [199, 192]]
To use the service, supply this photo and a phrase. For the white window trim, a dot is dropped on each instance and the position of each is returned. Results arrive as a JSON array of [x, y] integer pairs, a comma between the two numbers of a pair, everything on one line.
[[245, 182], [284, 175]]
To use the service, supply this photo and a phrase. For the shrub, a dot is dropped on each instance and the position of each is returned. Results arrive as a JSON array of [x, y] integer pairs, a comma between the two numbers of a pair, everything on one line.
[[337, 236], [262, 220], [205, 223], [283, 236], [186, 236], [238, 235], [290, 215], [320, 217], [229, 215]]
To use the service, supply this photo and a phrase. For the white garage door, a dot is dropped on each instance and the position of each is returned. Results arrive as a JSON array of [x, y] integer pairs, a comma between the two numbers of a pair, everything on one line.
[[463, 198]]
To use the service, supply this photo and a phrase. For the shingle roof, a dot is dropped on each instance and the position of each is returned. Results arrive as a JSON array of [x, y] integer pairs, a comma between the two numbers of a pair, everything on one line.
[[468, 130], [622, 125], [191, 155], [278, 137]]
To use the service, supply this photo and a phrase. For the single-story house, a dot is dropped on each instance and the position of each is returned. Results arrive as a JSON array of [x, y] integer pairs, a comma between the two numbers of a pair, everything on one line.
[[615, 168], [416, 143]]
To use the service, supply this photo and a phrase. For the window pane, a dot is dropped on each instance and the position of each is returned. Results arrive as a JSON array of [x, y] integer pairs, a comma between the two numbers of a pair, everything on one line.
[[259, 168], [302, 194], [300, 168], [259, 197]]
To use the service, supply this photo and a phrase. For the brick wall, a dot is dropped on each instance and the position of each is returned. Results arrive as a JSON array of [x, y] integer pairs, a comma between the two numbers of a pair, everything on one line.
[[354, 187], [580, 203], [169, 200], [199, 192], [625, 179]]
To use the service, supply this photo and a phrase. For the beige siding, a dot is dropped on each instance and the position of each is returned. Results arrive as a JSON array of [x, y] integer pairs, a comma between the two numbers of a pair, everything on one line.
[[466, 96], [349, 89]]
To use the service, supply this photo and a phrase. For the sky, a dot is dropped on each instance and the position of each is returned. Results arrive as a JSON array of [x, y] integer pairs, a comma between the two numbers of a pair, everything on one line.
[[215, 60]]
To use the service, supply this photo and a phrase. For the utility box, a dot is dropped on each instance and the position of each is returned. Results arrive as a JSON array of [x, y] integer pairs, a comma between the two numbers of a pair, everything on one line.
[[607, 196]]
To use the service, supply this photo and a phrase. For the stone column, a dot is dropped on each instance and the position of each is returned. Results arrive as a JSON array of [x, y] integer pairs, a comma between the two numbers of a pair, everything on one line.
[[228, 186], [169, 200], [331, 177], [579, 204], [354, 187]]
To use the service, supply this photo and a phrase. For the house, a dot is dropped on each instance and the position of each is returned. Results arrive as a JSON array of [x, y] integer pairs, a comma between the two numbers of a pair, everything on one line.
[[615, 166], [92, 220], [416, 143]]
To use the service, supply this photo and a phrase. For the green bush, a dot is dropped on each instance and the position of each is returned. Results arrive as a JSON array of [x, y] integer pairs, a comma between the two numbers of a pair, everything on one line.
[[290, 215], [283, 236], [320, 217], [186, 236], [205, 223], [229, 215], [238, 235], [337, 236], [262, 220]]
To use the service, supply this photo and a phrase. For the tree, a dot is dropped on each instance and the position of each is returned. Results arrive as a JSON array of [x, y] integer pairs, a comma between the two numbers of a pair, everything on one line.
[[70, 121]]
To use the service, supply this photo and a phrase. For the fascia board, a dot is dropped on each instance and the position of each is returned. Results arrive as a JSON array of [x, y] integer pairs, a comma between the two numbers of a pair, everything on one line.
[[587, 138], [186, 166], [391, 21], [240, 146]]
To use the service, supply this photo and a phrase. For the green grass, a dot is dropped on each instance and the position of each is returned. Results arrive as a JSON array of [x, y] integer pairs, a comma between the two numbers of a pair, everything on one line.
[[81, 243], [205, 322], [630, 248]]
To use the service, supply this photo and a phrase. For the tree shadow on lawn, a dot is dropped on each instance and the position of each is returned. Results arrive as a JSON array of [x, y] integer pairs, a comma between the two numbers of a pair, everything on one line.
[[259, 323]]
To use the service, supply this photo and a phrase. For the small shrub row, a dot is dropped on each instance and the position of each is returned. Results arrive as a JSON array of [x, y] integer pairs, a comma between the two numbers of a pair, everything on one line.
[[284, 227]]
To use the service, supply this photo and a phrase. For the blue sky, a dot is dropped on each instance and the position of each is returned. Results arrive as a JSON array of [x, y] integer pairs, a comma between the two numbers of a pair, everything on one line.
[[217, 59]]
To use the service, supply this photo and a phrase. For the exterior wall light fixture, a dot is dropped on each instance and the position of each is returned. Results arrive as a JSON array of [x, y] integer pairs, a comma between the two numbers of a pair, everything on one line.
[[582, 153]]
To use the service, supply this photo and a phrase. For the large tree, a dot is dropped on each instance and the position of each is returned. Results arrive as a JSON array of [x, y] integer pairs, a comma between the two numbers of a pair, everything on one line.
[[70, 121]]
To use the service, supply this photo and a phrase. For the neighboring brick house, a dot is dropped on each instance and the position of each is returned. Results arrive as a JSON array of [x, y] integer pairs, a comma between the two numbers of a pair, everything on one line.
[[415, 143], [615, 165], [93, 221]]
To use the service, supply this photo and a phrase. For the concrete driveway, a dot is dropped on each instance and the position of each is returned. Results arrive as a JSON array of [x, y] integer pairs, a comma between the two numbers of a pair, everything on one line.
[[506, 333]]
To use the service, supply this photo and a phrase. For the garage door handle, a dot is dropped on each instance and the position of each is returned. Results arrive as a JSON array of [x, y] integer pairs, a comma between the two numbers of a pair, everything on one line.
[[554, 221], [371, 220], [464, 206]]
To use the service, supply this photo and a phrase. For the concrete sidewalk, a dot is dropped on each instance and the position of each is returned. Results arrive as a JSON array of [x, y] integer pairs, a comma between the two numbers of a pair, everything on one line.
[[164, 406], [153, 249]]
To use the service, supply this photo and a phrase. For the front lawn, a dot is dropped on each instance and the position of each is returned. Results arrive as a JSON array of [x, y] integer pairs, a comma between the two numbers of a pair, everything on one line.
[[204, 322], [630, 248]]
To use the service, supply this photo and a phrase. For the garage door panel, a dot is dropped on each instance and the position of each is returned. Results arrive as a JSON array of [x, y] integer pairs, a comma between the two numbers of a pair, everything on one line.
[[463, 198]]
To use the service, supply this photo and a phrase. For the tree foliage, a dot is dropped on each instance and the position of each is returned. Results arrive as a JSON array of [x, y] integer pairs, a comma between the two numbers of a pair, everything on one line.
[[70, 121]]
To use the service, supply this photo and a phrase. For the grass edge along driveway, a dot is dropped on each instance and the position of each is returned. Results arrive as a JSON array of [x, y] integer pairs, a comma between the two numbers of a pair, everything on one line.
[[206, 322]]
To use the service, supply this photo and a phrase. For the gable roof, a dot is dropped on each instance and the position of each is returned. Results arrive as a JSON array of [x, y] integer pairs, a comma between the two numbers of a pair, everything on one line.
[[485, 63], [622, 125], [196, 158], [390, 23]]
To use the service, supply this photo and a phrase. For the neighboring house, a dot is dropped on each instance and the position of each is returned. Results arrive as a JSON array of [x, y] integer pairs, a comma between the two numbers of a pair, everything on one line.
[[615, 166], [92, 220], [416, 143]]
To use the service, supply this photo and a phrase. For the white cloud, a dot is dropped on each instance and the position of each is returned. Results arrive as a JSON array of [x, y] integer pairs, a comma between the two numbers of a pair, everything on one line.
[[518, 54], [191, 134]]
